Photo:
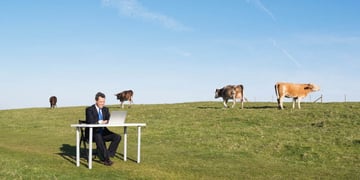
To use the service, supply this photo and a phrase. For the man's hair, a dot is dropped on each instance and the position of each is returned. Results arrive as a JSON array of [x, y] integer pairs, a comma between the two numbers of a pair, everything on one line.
[[99, 94]]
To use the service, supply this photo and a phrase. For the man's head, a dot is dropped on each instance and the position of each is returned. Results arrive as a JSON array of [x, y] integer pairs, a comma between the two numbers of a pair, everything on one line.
[[100, 99]]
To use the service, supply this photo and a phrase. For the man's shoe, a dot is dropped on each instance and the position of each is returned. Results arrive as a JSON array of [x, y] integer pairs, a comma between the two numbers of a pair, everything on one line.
[[108, 163]]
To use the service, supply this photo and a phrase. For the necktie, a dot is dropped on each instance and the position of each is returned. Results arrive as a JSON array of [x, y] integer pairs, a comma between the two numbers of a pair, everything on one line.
[[100, 118], [100, 115]]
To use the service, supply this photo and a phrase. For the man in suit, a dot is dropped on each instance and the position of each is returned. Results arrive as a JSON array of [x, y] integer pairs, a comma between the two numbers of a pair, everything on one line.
[[99, 114]]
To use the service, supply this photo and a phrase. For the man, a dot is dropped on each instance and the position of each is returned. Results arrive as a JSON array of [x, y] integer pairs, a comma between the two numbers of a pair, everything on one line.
[[99, 114]]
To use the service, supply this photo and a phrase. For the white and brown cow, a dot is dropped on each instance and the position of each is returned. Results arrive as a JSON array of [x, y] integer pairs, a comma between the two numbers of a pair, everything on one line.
[[295, 91], [125, 96], [231, 92]]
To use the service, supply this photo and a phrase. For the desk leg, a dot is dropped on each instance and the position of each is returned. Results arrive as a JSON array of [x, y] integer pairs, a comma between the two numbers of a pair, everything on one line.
[[77, 146], [125, 143], [139, 145], [90, 147]]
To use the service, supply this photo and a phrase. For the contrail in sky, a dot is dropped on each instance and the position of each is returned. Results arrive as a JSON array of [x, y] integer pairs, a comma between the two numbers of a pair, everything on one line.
[[287, 54], [133, 8], [260, 5]]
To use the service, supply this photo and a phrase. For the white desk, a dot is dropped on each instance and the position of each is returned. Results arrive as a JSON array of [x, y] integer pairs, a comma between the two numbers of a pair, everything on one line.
[[91, 126]]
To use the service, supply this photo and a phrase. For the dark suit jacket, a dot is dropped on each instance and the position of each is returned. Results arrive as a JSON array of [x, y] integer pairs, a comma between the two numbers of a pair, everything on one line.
[[92, 117]]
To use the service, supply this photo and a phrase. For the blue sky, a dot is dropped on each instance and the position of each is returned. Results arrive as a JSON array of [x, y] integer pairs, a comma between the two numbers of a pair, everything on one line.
[[171, 51]]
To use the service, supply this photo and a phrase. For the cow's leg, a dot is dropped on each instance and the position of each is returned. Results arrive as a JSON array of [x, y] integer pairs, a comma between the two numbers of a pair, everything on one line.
[[298, 101], [242, 103], [295, 100], [234, 102], [225, 101], [130, 102], [122, 104], [278, 103], [281, 101]]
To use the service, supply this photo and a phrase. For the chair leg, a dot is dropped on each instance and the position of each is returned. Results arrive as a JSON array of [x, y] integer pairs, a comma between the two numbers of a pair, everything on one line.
[[86, 151]]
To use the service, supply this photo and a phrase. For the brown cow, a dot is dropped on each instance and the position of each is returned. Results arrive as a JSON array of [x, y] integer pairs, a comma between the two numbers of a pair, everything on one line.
[[53, 101], [125, 96], [231, 92], [295, 91]]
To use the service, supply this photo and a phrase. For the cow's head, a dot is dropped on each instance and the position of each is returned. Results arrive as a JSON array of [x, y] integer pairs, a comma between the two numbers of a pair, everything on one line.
[[118, 96], [312, 87], [217, 93]]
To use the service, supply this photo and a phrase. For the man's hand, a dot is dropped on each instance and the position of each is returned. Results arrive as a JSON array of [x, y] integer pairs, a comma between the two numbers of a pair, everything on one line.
[[103, 121]]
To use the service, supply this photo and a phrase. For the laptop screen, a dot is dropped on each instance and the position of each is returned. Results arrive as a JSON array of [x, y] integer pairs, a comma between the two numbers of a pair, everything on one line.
[[117, 117]]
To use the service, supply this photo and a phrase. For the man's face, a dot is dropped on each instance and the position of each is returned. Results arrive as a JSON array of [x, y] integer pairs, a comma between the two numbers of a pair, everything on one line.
[[100, 102]]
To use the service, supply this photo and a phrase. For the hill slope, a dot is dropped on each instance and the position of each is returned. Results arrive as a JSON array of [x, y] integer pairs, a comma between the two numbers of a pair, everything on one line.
[[192, 141]]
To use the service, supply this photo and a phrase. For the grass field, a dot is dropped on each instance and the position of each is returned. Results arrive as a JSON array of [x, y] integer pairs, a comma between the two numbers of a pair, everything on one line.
[[200, 140]]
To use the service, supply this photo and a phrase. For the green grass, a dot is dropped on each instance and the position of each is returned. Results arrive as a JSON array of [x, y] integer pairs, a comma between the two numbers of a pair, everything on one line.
[[198, 140]]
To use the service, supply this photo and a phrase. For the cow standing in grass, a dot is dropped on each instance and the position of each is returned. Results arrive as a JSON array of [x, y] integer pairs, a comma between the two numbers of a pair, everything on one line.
[[231, 92], [125, 96], [295, 91], [53, 101]]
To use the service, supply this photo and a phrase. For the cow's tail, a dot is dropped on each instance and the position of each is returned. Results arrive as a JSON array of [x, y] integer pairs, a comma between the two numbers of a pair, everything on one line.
[[242, 96], [242, 92], [277, 92]]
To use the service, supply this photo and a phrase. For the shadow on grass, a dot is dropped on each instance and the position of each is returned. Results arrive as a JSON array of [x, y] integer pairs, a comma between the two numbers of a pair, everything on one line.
[[356, 142], [245, 107], [68, 152], [209, 107], [261, 107], [121, 156]]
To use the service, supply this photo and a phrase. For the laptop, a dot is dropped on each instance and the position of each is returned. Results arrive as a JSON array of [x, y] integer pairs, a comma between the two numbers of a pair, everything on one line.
[[117, 117]]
